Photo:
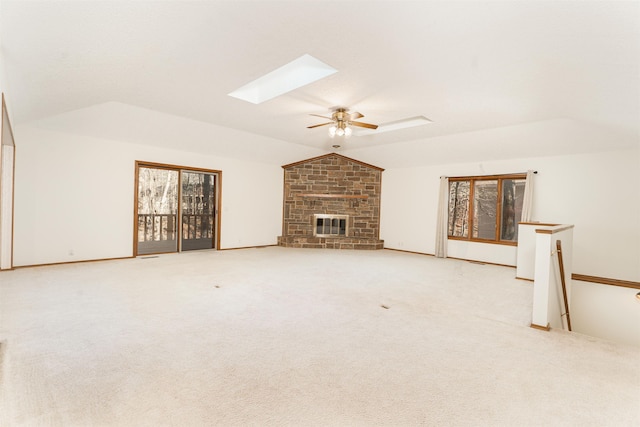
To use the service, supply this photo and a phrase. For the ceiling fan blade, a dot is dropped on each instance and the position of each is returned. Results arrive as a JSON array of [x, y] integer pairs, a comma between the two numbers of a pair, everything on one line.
[[324, 117], [356, 115], [321, 124], [364, 125]]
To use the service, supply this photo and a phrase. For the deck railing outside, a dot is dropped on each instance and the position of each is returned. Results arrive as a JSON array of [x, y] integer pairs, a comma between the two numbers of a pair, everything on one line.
[[162, 227]]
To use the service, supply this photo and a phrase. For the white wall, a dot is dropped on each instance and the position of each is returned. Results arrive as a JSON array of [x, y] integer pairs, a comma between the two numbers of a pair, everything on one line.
[[129, 123], [75, 194], [597, 192], [610, 312]]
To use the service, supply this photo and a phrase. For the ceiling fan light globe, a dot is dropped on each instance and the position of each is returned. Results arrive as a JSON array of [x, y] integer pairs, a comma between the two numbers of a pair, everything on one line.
[[347, 131], [332, 131], [340, 132]]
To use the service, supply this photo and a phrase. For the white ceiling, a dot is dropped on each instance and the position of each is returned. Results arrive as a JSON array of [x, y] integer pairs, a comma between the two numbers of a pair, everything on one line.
[[467, 66]]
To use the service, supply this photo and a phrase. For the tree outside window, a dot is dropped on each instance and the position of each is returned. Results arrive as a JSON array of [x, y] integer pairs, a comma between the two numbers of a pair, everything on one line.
[[486, 209]]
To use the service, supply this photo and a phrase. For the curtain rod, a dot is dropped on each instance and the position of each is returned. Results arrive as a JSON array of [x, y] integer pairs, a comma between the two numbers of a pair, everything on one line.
[[478, 176]]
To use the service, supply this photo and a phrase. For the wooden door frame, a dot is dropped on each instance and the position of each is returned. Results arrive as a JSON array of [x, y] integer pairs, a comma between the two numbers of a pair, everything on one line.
[[7, 242], [179, 169]]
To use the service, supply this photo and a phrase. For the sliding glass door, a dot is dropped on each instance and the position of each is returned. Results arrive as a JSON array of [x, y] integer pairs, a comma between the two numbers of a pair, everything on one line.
[[198, 210], [163, 224], [157, 210]]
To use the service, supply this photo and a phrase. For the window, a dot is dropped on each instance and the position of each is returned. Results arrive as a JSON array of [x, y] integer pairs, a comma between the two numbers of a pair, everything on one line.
[[486, 209]]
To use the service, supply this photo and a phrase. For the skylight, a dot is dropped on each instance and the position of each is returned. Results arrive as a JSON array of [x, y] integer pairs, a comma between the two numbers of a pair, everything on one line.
[[295, 74], [398, 124]]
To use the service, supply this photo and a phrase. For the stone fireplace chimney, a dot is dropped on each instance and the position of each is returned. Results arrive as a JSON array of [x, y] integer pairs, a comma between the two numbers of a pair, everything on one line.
[[331, 202]]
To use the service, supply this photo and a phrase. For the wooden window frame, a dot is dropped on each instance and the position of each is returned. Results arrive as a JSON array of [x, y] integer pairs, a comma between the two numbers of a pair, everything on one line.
[[472, 180]]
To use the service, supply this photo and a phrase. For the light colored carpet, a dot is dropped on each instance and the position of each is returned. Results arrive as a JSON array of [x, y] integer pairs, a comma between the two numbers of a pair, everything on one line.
[[291, 337]]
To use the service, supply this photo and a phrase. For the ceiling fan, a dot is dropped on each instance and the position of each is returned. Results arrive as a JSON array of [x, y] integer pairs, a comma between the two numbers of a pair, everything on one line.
[[341, 122]]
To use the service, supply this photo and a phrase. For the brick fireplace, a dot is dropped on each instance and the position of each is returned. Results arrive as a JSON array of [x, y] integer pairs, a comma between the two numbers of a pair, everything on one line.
[[331, 202]]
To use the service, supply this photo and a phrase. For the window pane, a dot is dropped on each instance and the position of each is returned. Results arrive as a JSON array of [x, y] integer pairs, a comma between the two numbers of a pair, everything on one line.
[[335, 227], [459, 208], [157, 191], [512, 197], [485, 202]]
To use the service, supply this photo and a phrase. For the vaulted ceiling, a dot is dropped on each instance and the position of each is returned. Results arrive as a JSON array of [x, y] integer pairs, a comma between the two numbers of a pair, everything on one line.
[[466, 65]]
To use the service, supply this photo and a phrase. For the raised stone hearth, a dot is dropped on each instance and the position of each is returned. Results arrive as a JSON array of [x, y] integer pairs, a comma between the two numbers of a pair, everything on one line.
[[331, 202]]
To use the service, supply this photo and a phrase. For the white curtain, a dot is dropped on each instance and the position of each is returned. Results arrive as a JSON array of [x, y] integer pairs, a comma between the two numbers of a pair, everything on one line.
[[443, 218], [528, 198]]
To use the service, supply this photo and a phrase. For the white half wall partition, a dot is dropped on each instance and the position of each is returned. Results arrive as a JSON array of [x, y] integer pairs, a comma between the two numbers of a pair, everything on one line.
[[548, 294], [526, 256]]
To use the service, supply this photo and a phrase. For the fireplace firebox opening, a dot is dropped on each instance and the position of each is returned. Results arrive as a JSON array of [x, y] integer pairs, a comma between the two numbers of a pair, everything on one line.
[[330, 225]]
